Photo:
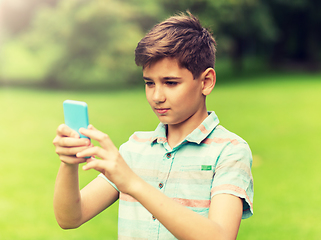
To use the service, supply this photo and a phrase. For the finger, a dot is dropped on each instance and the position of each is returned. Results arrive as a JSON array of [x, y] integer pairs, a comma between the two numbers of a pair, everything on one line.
[[72, 142], [99, 136], [64, 130], [71, 160], [93, 151], [72, 151]]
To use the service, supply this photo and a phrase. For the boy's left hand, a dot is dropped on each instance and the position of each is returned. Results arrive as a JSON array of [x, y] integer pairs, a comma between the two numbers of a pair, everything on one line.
[[112, 164]]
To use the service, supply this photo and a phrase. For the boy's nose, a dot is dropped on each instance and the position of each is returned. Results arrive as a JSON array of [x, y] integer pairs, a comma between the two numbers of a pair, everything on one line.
[[158, 96]]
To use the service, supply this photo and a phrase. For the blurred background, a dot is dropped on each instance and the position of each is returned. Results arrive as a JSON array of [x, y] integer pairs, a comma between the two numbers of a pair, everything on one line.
[[268, 91], [74, 44]]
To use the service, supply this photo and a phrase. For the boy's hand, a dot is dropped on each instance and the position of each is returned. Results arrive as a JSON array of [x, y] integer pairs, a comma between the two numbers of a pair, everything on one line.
[[112, 164], [68, 143]]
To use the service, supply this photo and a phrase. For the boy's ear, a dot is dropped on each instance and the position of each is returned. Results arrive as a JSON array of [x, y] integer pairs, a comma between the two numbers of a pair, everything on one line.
[[208, 81]]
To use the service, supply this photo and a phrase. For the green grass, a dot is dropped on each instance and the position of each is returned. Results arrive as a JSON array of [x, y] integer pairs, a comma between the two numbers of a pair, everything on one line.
[[279, 117]]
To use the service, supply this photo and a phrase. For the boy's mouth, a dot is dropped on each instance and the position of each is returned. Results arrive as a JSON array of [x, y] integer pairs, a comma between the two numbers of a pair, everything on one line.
[[161, 110]]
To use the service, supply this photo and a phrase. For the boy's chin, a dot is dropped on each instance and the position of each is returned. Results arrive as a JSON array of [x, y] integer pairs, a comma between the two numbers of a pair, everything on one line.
[[162, 120], [168, 122]]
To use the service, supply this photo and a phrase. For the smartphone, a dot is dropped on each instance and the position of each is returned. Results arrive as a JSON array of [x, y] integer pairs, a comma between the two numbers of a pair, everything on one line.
[[76, 115]]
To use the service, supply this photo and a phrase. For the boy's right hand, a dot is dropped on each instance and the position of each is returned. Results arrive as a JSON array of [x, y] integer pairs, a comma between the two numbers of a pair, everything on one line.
[[68, 143]]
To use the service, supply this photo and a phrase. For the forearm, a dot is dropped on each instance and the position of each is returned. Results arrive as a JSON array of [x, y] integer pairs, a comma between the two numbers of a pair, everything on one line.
[[67, 204], [182, 222]]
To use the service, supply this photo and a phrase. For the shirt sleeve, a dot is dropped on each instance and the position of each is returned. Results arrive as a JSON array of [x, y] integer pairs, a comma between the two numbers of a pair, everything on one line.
[[111, 183], [233, 175]]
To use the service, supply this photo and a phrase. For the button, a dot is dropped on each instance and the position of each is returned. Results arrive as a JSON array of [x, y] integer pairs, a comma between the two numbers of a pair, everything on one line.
[[168, 155], [154, 218], [160, 185]]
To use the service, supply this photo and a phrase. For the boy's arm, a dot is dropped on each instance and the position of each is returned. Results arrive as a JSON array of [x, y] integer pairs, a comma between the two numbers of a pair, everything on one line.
[[225, 211], [222, 223], [73, 207]]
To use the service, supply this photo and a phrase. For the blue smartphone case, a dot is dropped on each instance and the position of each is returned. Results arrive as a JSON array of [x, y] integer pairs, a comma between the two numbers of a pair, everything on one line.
[[76, 115]]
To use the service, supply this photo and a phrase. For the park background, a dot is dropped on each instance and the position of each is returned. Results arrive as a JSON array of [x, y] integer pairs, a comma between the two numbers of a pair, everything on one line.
[[268, 91]]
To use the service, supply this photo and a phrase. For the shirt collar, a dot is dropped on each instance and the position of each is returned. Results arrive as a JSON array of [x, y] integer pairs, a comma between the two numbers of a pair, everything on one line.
[[159, 135], [197, 136]]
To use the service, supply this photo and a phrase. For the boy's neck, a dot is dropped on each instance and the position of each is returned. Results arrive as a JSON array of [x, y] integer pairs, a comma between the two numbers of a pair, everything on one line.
[[176, 133]]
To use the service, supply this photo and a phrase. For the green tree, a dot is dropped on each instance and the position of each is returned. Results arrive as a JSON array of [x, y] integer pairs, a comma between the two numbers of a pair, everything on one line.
[[299, 24], [15, 16], [91, 42], [280, 30], [239, 26]]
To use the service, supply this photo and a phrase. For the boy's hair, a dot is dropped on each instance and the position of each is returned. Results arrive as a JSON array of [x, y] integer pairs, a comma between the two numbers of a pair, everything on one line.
[[181, 37]]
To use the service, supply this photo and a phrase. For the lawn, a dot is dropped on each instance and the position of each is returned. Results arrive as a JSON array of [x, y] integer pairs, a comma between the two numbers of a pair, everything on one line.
[[278, 116]]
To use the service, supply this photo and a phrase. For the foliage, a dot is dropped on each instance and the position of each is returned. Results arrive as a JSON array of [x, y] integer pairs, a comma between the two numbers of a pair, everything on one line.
[[96, 40], [299, 22], [277, 29], [239, 26], [90, 44]]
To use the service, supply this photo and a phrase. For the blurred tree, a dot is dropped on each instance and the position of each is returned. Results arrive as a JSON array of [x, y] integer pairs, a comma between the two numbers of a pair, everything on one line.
[[299, 24], [239, 26], [84, 42], [16, 15], [277, 29], [91, 42]]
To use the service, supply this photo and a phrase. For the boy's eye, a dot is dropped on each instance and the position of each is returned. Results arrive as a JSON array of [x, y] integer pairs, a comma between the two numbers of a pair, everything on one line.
[[171, 83], [149, 84]]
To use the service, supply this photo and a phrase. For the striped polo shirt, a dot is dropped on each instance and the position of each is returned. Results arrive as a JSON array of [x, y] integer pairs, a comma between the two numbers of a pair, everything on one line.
[[209, 161]]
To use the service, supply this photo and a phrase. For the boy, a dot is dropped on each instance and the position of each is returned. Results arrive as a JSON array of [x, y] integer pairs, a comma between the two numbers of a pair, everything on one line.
[[188, 179]]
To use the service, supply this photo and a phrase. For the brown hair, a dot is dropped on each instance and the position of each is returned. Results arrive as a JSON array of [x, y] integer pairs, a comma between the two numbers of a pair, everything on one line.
[[181, 37]]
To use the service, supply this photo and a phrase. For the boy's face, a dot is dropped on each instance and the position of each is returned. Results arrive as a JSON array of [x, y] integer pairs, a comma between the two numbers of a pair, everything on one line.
[[172, 92]]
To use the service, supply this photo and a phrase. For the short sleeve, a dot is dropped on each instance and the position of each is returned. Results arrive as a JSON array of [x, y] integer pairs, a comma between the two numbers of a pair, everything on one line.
[[233, 175], [104, 177]]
